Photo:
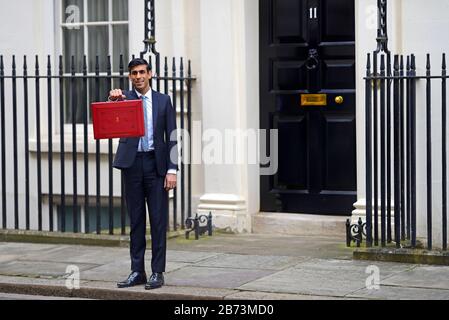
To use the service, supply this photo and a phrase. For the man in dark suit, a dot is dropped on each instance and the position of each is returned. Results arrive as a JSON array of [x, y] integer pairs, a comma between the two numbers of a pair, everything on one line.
[[149, 165]]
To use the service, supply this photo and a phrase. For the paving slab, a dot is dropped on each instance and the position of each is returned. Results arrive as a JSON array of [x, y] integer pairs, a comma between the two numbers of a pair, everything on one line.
[[386, 269], [330, 277], [79, 254], [25, 248], [39, 268], [222, 278], [113, 272], [188, 256], [308, 282], [434, 277], [98, 255], [120, 270], [32, 281], [9, 257], [250, 262], [401, 293], [263, 244]]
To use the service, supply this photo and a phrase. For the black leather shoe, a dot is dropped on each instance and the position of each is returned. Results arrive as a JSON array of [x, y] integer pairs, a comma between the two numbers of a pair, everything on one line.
[[156, 281], [134, 279]]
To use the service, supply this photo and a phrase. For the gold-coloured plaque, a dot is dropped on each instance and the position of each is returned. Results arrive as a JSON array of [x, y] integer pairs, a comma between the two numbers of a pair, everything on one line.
[[314, 100]]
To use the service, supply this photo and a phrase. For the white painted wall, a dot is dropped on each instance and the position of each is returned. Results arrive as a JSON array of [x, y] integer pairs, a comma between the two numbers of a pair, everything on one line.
[[27, 29], [252, 192], [221, 101], [424, 30], [417, 27], [221, 38]]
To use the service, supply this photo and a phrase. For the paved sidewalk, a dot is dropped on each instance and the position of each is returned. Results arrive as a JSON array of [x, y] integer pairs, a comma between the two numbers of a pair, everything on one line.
[[221, 267]]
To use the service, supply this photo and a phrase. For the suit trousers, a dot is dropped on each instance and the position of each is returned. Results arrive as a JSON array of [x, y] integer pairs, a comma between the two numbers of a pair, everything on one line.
[[144, 187]]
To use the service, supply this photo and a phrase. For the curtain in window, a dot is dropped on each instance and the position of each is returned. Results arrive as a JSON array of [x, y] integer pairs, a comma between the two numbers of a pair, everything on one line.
[[97, 10], [120, 10], [73, 46], [98, 46], [120, 34]]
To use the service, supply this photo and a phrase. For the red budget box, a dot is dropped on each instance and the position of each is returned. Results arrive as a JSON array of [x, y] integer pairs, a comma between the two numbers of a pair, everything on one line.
[[122, 119]]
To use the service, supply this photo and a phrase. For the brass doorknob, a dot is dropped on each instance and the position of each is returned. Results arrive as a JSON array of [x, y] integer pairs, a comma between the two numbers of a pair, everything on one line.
[[339, 100]]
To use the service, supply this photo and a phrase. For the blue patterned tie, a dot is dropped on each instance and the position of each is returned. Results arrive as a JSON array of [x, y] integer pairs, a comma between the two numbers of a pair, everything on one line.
[[145, 141]]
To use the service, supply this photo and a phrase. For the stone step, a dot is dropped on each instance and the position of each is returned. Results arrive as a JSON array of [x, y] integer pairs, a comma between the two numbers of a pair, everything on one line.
[[299, 224]]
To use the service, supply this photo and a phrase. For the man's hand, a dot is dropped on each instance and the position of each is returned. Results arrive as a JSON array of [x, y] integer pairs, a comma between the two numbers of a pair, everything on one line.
[[116, 94], [170, 182]]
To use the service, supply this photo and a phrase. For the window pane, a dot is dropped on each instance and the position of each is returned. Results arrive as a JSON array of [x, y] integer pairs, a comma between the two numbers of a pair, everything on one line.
[[98, 88], [120, 34], [98, 45], [74, 92], [120, 10], [105, 219], [98, 10], [72, 11], [73, 46], [69, 210], [92, 216]]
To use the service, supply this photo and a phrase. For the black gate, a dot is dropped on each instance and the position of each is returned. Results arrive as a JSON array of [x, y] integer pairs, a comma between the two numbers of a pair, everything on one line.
[[60, 142], [391, 135], [72, 92], [391, 149]]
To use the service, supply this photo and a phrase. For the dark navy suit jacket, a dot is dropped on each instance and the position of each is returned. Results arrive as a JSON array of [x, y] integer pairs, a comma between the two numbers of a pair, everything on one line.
[[164, 123]]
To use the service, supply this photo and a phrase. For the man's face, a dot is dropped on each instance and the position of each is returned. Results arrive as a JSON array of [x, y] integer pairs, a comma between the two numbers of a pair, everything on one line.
[[140, 77]]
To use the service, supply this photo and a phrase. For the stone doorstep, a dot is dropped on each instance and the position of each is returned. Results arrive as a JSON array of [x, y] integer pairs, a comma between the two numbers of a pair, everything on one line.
[[299, 224], [412, 256]]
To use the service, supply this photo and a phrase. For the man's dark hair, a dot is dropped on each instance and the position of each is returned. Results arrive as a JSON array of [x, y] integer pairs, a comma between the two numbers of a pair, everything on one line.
[[138, 62]]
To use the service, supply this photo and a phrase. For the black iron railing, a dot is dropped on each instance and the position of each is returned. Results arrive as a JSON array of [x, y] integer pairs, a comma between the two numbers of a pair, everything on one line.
[[68, 95], [391, 128]]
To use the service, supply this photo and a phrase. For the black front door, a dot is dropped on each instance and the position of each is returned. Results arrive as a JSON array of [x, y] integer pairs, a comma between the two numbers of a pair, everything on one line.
[[307, 74]]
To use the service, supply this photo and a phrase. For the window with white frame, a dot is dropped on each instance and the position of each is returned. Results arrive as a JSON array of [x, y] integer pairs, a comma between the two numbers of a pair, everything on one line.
[[92, 28]]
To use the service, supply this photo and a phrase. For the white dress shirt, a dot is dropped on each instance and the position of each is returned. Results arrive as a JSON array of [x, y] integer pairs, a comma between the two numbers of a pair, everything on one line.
[[149, 105]]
